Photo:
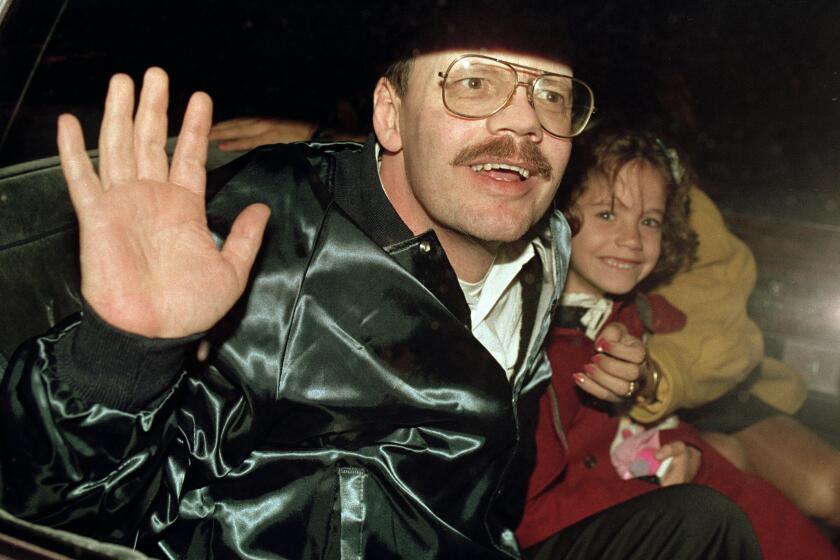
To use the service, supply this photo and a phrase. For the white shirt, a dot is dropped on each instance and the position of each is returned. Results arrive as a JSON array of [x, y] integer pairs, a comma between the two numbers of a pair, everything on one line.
[[496, 301]]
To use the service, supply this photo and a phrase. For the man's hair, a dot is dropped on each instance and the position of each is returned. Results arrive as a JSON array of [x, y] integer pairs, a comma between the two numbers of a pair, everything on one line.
[[397, 74], [534, 27], [606, 152]]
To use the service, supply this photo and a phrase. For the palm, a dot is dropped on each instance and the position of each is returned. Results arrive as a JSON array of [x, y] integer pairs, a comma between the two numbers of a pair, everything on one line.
[[149, 263], [161, 261]]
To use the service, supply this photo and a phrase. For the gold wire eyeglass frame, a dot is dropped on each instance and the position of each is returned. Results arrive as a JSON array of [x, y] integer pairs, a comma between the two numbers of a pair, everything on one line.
[[540, 74]]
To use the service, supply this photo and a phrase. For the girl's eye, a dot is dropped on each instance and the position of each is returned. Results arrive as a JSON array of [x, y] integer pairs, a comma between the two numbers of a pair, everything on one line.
[[652, 222], [606, 215]]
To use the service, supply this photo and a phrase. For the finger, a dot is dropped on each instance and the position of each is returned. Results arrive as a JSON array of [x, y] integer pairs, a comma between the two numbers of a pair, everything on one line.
[[190, 158], [613, 332], [252, 135], [230, 123], [82, 182], [150, 127], [623, 346], [242, 144], [623, 371], [232, 132], [286, 133], [116, 152], [693, 461], [243, 242], [589, 385], [617, 387], [670, 477], [669, 450], [631, 351]]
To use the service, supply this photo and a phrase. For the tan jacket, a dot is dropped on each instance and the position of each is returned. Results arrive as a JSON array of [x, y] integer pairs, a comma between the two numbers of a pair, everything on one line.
[[720, 344]]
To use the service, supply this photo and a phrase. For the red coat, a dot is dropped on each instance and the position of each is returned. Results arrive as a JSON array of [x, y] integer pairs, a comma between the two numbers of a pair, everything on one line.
[[574, 482]]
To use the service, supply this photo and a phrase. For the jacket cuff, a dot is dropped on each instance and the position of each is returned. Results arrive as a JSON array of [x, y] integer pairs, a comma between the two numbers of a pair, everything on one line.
[[105, 365], [663, 403]]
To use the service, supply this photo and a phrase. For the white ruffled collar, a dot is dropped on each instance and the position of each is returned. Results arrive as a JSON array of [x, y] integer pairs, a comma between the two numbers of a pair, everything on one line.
[[599, 310]]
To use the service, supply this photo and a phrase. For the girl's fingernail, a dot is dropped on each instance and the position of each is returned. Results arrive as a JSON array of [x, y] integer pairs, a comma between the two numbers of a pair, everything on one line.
[[596, 359], [579, 378], [602, 345], [589, 368]]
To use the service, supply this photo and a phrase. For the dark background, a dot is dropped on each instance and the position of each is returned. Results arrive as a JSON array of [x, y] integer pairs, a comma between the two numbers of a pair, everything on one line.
[[748, 88]]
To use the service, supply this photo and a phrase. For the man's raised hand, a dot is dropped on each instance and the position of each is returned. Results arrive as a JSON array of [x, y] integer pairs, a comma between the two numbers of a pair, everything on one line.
[[149, 264]]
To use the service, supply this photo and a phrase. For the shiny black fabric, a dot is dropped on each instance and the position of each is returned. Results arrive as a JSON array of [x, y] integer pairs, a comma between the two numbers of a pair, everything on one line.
[[346, 410]]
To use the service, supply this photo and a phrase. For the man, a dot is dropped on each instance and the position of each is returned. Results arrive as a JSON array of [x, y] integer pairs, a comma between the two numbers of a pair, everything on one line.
[[373, 393]]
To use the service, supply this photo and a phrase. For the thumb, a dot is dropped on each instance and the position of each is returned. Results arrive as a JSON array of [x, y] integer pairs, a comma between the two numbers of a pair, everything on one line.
[[613, 332], [672, 449], [243, 242]]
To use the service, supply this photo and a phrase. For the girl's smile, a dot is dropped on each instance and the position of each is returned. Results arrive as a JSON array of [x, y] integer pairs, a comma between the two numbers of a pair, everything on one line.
[[620, 233]]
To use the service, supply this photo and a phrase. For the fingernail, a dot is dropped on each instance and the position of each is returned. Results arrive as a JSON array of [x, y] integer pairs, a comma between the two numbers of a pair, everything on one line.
[[579, 378], [589, 368], [596, 359], [602, 345]]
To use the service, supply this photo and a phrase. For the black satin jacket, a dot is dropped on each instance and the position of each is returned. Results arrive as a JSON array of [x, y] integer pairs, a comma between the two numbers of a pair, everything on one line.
[[345, 412]]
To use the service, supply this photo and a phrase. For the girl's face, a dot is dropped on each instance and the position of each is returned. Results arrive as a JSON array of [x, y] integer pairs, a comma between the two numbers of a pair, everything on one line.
[[620, 230]]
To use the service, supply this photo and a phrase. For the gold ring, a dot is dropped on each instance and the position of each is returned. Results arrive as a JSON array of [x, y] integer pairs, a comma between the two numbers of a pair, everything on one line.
[[631, 389]]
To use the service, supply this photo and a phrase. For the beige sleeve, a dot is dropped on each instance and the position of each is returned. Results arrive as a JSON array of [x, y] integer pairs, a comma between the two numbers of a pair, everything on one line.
[[720, 344]]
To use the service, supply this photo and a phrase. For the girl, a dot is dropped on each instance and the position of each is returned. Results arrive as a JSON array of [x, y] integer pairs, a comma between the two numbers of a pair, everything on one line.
[[626, 199]]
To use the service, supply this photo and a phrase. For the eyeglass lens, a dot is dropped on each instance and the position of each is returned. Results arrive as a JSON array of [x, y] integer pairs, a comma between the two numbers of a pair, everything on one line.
[[478, 87]]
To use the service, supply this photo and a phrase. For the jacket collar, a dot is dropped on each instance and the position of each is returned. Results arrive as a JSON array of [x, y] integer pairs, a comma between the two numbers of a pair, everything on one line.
[[358, 191]]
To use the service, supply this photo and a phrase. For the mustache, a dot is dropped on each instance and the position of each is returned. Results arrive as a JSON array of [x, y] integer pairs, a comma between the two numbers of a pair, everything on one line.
[[506, 147]]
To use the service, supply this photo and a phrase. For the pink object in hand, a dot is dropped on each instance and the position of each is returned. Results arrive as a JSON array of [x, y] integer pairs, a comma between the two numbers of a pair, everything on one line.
[[633, 453]]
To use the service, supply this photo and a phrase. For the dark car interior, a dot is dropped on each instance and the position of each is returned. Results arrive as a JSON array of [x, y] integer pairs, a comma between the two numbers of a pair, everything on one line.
[[751, 91]]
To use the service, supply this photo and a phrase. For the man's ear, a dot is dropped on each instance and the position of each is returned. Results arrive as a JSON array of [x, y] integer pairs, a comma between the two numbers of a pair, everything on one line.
[[386, 116]]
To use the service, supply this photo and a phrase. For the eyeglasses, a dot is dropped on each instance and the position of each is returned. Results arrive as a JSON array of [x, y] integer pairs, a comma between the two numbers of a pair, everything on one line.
[[478, 86]]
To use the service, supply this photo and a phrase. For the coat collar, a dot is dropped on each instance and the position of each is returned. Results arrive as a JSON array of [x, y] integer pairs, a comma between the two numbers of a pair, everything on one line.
[[358, 191]]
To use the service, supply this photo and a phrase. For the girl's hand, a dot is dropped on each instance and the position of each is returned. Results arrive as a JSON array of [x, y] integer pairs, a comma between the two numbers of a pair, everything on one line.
[[615, 371], [684, 465]]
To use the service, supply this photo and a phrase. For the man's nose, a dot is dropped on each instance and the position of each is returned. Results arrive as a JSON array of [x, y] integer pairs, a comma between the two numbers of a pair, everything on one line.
[[518, 116]]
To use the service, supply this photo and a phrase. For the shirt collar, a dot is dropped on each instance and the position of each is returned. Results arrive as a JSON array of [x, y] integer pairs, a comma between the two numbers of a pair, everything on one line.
[[598, 310]]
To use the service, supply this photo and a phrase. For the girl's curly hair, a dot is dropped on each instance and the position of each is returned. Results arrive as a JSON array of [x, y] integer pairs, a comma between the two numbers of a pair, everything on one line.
[[607, 152]]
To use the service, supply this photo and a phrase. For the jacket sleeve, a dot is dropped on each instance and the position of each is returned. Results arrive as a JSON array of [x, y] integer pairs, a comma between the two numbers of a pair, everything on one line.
[[95, 436], [720, 344], [87, 419]]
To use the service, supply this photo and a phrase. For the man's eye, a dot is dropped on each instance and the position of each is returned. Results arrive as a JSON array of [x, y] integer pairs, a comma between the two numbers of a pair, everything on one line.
[[471, 83], [552, 97]]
